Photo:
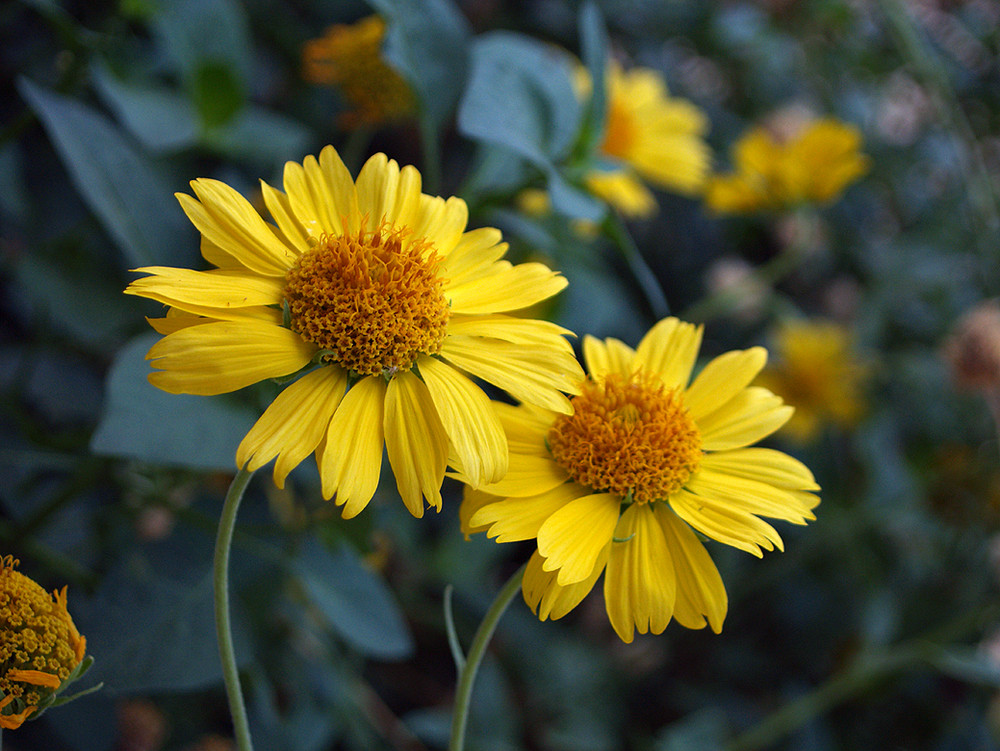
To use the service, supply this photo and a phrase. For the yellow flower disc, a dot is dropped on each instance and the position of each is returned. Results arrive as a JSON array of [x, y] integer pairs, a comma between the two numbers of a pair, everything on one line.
[[372, 303], [620, 131], [627, 436], [39, 645]]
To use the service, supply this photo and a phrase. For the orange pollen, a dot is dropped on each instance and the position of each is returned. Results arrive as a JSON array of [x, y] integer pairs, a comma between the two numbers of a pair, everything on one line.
[[619, 133], [371, 301], [627, 436]]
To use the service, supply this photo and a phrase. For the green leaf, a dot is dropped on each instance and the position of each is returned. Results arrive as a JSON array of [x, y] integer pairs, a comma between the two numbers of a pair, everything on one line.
[[217, 93], [427, 42], [142, 422], [594, 49], [356, 602], [520, 96], [122, 187]]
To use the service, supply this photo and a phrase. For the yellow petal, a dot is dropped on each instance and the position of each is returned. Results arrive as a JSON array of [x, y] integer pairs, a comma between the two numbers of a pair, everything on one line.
[[722, 379], [534, 375], [725, 524], [215, 358], [748, 417], [764, 465], [544, 595], [294, 424], [669, 350], [289, 226], [440, 222], [609, 356], [474, 431], [505, 288], [228, 220], [513, 519], [572, 538], [220, 288], [475, 253], [34, 677], [700, 591], [321, 194], [350, 460], [750, 495], [387, 192], [472, 501], [415, 442], [526, 427], [528, 474], [639, 584], [529, 332]]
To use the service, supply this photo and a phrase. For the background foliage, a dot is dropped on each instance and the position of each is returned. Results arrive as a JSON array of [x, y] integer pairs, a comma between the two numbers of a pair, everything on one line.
[[878, 628]]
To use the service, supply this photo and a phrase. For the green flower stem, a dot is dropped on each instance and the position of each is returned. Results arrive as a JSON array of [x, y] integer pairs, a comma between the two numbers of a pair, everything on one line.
[[616, 230], [477, 650], [223, 627]]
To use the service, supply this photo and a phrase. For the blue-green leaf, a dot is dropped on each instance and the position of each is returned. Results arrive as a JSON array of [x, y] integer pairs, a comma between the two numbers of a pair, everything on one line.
[[594, 50]]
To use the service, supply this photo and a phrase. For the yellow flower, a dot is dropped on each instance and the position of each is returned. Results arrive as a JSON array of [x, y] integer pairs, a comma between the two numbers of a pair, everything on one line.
[[378, 296], [649, 136], [816, 370], [814, 165], [39, 645], [349, 57], [625, 483]]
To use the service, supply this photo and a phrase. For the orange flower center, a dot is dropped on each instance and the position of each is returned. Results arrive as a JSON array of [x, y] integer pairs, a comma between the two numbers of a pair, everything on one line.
[[619, 133], [628, 436], [372, 303]]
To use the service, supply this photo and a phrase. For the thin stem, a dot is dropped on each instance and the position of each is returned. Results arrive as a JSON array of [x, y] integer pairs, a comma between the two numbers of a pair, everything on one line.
[[223, 627], [477, 650], [643, 274], [431, 175]]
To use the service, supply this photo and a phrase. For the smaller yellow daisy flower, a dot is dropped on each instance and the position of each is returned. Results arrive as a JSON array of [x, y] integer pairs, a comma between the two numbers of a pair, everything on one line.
[[649, 136], [646, 461], [772, 172], [349, 56], [817, 371], [39, 645]]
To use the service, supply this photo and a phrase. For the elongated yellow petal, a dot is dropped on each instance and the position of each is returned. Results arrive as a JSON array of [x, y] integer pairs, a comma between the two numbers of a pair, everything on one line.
[[280, 209], [546, 597], [526, 428], [350, 460], [440, 221], [752, 414], [528, 474], [669, 350], [529, 332], [537, 376], [513, 519], [700, 591], [294, 424], [415, 441], [34, 677], [475, 252], [263, 314], [572, 538], [472, 501], [722, 379], [731, 526], [228, 220], [387, 192], [750, 495], [473, 429], [505, 288], [321, 194], [640, 586], [226, 355], [764, 465], [220, 288], [609, 356]]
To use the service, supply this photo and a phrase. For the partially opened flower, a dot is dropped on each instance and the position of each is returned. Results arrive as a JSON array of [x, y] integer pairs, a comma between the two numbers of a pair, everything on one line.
[[40, 648], [649, 136], [645, 463], [817, 371], [349, 57], [379, 301], [773, 171]]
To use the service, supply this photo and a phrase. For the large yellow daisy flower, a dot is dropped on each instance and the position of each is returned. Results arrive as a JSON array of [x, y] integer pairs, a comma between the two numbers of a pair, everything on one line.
[[645, 462], [377, 296], [650, 136]]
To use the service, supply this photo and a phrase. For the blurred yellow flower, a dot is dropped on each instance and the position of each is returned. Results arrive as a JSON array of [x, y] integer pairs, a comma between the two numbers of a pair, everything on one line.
[[349, 56], [816, 370], [772, 172], [377, 296], [649, 136], [39, 645], [625, 483]]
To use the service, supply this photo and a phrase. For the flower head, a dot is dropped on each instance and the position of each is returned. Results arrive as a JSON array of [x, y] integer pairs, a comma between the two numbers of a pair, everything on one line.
[[649, 136], [817, 371], [645, 462], [377, 298], [777, 170], [349, 57], [40, 647]]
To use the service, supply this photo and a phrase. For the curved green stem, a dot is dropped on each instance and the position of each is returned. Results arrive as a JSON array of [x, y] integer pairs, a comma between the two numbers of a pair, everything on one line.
[[223, 627], [616, 230], [477, 650]]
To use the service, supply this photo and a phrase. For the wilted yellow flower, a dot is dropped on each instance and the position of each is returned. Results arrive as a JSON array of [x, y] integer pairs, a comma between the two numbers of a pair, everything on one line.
[[816, 370], [40, 647], [973, 348], [649, 136], [349, 56], [645, 462], [777, 171], [376, 298]]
